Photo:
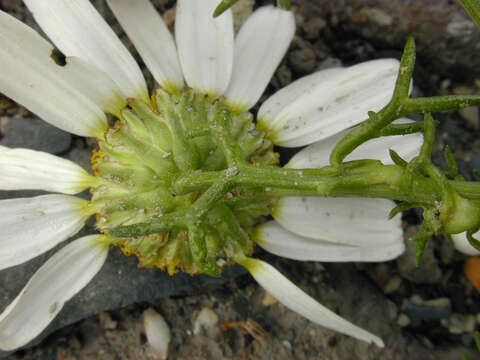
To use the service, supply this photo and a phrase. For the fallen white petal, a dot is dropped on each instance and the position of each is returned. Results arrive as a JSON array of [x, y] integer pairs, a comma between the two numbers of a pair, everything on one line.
[[152, 39], [24, 169], [461, 243], [340, 100], [95, 85], [30, 77], [260, 45], [55, 282], [77, 29], [31, 226], [295, 299], [158, 333], [351, 221], [205, 45], [317, 155], [276, 240]]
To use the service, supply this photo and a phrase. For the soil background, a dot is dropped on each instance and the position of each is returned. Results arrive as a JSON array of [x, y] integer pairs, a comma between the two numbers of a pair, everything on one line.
[[421, 313]]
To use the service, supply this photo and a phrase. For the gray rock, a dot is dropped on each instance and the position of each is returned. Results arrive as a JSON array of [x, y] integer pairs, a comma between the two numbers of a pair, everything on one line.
[[439, 27], [35, 134]]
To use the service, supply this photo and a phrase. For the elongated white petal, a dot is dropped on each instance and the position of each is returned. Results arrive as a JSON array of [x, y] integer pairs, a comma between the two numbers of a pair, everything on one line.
[[260, 45], [148, 32], [276, 240], [317, 155], [29, 76], [352, 221], [340, 101], [295, 299], [31, 226], [158, 333], [77, 29], [95, 85], [24, 169], [461, 244], [205, 45], [54, 283]]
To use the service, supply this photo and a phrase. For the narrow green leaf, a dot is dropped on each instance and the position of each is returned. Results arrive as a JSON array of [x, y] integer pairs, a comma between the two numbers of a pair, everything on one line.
[[402, 129], [451, 162], [407, 64], [476, 336], [402, 207], [473, 9], [438, 104], [397, 159], [420, 242], [223, 6]]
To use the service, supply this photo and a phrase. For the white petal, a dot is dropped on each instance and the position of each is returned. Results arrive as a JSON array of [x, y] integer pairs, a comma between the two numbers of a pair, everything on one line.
[[274, 105], [148, 32], [77, 29], [260, 45], [31, 226], [295, 299], [461, 244], [95, 85], [29, 76], [55, 282], [351, 221], [158, 333], [205, 45], [276, 240], [24, 169], [340, 101], [317, 155]]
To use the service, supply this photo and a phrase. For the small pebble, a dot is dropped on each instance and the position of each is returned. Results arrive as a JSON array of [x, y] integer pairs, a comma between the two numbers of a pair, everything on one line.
[[403, 320], [443, 303], [392, 285], [459, 323], [268, 299], [106, 321], [206, 319], [158, 333]]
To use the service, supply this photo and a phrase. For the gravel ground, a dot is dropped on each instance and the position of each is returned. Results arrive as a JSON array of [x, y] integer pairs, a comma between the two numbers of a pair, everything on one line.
[[421, 313]]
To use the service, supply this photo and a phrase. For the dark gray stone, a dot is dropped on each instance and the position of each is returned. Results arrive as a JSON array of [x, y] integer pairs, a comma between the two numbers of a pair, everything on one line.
[[119, 283], [35, 134], [426, 313], [439, 27]]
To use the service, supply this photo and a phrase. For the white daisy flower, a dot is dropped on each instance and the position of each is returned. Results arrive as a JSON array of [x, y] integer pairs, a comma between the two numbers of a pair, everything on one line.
[[204, 69]]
